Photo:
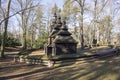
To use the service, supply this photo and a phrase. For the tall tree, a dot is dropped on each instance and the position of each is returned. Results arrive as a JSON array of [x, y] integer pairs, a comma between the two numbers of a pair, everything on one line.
[[36, 28], [5, 29], [82, 9], [67, 8], [25, 15], [95, 18], [74, 20], [98, 12], [55, 9]]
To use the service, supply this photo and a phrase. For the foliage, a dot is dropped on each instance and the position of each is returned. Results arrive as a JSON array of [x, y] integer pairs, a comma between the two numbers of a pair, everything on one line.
[[94, 41], [55, 9], [7, 11], [12, 42], [39, 43], [67, 7], [31, 56], [26, 18]]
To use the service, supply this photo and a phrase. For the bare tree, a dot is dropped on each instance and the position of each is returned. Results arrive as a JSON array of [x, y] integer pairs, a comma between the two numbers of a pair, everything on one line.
[[25, 15], [82, 8], [5, 29], [95, 17]]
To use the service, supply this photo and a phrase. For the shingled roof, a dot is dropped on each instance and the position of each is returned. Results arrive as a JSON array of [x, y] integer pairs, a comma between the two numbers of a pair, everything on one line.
[[64, 36], [67, 39], [56, 28]]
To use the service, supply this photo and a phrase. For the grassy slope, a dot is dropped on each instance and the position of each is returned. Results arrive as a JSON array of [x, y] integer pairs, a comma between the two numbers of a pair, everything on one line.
[[103, 69], [94, 69]]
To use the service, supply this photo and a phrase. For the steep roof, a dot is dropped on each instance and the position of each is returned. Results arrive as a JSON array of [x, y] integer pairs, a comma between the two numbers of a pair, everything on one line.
[[64, 33], [56, 28], [67, 39], [64, 36]]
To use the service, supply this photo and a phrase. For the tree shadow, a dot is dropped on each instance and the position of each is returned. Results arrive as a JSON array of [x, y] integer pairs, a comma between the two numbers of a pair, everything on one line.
[[87, 69], [105, 68], [23, 74], [98, 69], [84, 69], [90, 51], [64, 63]]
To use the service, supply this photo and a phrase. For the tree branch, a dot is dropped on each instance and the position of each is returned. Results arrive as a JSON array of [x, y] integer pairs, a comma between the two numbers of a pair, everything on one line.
[[79, 2], [15, 14], [104, 5]]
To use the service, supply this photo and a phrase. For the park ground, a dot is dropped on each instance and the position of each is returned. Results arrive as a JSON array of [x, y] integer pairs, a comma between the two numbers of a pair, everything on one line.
[[83, 69]]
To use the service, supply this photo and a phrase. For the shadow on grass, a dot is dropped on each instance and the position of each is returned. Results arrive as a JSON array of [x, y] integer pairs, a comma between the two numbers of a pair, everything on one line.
[[64, 63], [105, 69], [94, 72], [23, 74], [91, 51], [94, 69], [87, 69]]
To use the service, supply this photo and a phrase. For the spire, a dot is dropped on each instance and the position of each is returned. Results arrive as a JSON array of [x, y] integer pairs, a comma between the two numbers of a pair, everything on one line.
[[57, 26], [64, 27], [54, 19], [59, 21], [55, 16]]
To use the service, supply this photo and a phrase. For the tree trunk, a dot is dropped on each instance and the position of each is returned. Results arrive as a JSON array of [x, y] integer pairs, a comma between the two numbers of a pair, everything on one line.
[[24, 40], [82, 34], [5, 30], [24, 45], [32, 33], [95, 19]]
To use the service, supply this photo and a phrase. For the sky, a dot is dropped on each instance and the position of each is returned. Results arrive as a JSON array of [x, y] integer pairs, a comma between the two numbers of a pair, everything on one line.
[[45, 4], [52, 2]]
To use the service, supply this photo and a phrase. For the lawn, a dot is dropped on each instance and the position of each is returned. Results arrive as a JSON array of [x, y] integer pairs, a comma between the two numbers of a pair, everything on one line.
[[94, 69], [83, 69]]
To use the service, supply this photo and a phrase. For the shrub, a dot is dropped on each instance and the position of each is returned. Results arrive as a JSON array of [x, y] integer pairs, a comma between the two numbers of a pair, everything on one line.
[[12, 42], [94, 41], [39, 43]]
